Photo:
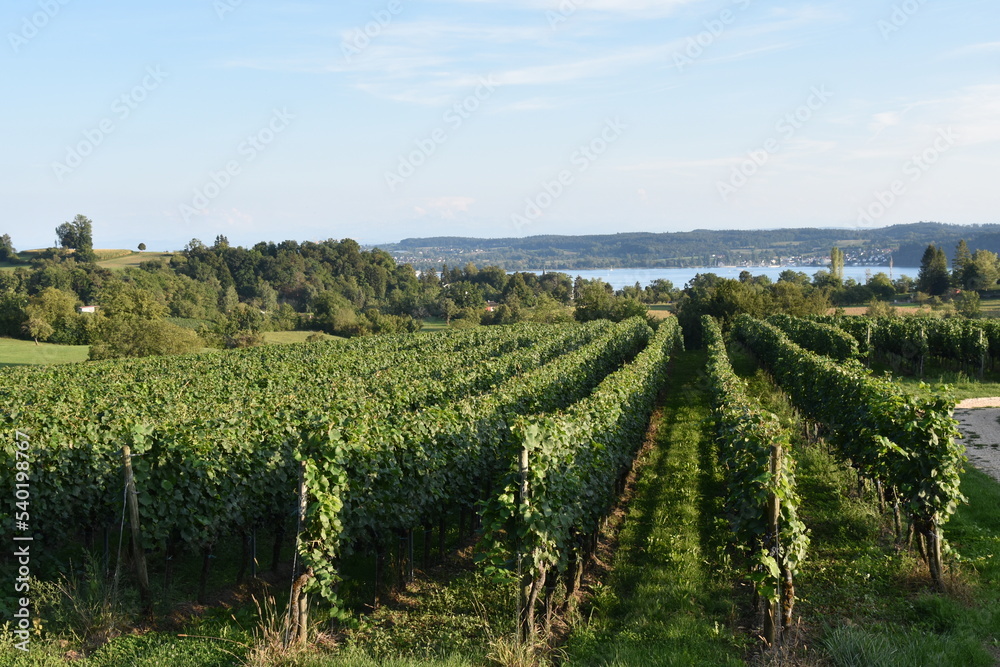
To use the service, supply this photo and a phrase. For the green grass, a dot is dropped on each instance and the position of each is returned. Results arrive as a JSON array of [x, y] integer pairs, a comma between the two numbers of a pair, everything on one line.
[[283, 337], [669, 599], [113, 253], [658, 310], [434, 324], [15, 352], [132, 259], [115, 259], [960, 384]]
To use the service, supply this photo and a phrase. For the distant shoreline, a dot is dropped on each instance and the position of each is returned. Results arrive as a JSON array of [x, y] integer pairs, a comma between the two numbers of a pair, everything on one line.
[[707, 268]]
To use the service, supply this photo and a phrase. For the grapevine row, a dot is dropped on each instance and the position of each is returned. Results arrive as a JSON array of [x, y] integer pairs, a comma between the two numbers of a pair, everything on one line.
[[377, 479], [818, 337], [222, 459], [571, 468], [970, 343], [905, 442], [759, 468]]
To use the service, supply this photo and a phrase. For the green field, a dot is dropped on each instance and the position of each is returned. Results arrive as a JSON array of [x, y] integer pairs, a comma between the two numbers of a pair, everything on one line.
[[15, 352], [24, 352], [434, 324], [658, 310], [133, 259], [109, 258], [283, 337]]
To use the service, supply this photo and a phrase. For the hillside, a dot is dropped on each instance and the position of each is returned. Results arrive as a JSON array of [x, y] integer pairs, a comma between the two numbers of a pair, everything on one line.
[[701, 247]]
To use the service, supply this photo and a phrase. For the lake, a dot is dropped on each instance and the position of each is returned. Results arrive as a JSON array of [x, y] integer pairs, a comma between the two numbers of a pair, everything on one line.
[[619, 278]]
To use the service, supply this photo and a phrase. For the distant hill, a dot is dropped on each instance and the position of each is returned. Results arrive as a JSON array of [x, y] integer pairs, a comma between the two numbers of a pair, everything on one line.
[[701, 247]]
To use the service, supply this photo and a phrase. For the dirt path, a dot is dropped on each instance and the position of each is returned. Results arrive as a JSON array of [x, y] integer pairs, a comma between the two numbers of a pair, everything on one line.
[[978, 421]]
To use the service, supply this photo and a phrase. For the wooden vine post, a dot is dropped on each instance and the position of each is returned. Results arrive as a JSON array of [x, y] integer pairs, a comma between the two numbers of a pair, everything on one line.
[[297, 621], [982, 355], [787, 579], [868, 341], [772, 620], [139, 555], [525, 616]]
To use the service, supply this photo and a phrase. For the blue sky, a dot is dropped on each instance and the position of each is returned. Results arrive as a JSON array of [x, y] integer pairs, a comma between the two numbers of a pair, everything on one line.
[[397, 118]]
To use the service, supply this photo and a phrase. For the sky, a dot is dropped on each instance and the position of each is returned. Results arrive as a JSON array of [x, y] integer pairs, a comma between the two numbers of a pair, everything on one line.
[[383, 120]]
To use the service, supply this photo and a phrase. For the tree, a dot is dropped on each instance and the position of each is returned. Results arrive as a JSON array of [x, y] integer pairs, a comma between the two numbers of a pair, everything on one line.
[[142, 247], [116, 337], [837, 263], [549, 311], [52, 317], [960, 264], [878, 308], [967, 303], [78, 235], [597, 302], [982, 271], [881, 287], [447, 308], [7, 252], [826, 279], [38, 328], [242, 326], [335, 315], [517, 291], [933, 277], [903, 284], [129, 301], [229, 299], [799, 299], [659, 291], [793, 276]]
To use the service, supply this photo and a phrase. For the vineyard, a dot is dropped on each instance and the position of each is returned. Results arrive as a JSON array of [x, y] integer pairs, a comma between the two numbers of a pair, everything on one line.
[[345, 464], [377, 437]]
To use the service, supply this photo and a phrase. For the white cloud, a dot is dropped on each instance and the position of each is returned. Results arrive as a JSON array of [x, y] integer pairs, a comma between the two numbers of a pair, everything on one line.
[[881, 121], [443, 207], [641, 8], [976, 49]]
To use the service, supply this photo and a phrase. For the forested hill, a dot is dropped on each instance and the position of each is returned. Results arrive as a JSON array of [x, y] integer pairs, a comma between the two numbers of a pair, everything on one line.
[[701, 247]]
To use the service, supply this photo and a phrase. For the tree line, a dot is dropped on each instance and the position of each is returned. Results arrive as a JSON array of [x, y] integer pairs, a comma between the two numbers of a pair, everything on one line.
[[226, 296]]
